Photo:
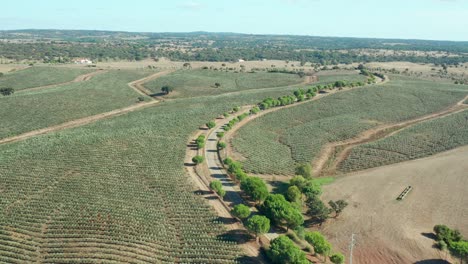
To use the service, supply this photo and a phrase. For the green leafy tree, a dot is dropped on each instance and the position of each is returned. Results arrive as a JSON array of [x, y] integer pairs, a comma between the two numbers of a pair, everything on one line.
[[210, 124], [255, 110], [241, 211], [294, 194], [317, 209], [337, 258], [338, 206], [217, 186], [309, 187], [220, 134], [459, 249], [221, 145], [217, 85], [446, 234], [200, 141], [283, 250], [298, 181], [305, 170], [256, 188], [7, 91], [198, 159], [293, 218], [167, 89], [281, 212], [318, 241], [258, 225]]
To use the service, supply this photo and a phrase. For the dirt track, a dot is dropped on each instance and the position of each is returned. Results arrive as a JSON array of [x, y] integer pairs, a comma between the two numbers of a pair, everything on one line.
[[77, 122], [373, 134], [141, 89], [89, 119], [231, 133], [81, 78]]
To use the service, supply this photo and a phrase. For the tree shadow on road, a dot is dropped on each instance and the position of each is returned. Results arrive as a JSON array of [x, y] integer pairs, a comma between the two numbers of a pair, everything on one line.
[[261, 258], [238, 235], [432, 261], [226, 220]]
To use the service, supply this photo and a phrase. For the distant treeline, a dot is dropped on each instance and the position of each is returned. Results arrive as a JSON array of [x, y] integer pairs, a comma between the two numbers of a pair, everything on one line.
[[62, 45]]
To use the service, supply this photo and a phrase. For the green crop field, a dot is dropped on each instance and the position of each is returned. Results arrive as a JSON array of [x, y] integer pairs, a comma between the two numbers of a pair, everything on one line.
[[334, 75], [40, 76], [114, 191], [274, 143], [418, 141], [31, 110], [190, 83]]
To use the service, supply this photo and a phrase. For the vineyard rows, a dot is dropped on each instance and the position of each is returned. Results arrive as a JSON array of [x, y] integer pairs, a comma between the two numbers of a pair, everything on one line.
[[40, 76], [296, 135], [114, 191], [418, 141], [39, 109]]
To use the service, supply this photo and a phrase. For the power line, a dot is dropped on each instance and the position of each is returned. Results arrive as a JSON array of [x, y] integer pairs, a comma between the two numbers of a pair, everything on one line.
[[351, 247]]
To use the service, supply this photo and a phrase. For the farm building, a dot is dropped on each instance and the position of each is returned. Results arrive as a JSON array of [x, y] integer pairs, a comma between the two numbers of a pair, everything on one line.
[[83, 61]]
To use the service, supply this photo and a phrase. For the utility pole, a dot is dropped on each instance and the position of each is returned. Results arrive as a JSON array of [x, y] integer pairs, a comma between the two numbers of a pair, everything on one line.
[[351, 247]]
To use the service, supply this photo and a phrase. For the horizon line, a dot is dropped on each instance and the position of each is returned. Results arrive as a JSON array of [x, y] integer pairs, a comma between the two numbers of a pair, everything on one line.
[[226, 32]]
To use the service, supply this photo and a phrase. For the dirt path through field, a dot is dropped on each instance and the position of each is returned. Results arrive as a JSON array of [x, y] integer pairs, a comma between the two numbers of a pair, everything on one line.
[[323, 163], [139, 87], [77, 122], [90, 119], [81, 78], [231, 133]]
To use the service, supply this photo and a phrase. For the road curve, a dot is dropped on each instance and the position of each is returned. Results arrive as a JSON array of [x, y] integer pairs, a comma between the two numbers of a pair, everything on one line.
[[216, 170], [81, 78]]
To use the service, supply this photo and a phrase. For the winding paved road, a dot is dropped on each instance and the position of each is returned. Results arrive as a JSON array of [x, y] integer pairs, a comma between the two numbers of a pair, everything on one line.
[[218, 172], [216, 169]]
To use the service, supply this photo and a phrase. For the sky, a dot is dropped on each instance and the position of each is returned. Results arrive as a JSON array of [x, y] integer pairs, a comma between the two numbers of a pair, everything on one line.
[[407, 19]]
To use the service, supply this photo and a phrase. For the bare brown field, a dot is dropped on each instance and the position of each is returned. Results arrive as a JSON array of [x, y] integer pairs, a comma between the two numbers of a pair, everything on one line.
[[391, 231], [168, 64], [415, 67]]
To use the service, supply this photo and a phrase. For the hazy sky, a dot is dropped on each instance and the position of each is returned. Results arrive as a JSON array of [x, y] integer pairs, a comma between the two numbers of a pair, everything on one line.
[[420, 19]]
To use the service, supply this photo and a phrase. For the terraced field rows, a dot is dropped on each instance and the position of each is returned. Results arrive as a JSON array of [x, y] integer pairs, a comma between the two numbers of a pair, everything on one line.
[[202, 82], [114, 191], [40, 76], [297, 134], [52, 106], [418, 141]]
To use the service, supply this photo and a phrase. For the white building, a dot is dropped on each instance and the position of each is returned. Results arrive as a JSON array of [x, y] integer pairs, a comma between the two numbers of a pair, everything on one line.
[[83, 61]]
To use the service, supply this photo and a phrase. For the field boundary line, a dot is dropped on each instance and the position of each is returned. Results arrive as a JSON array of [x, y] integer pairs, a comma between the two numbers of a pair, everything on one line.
[[82, 78], [77, 122], [373, 134], [90, 119], [139, 87], [229, 135]]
